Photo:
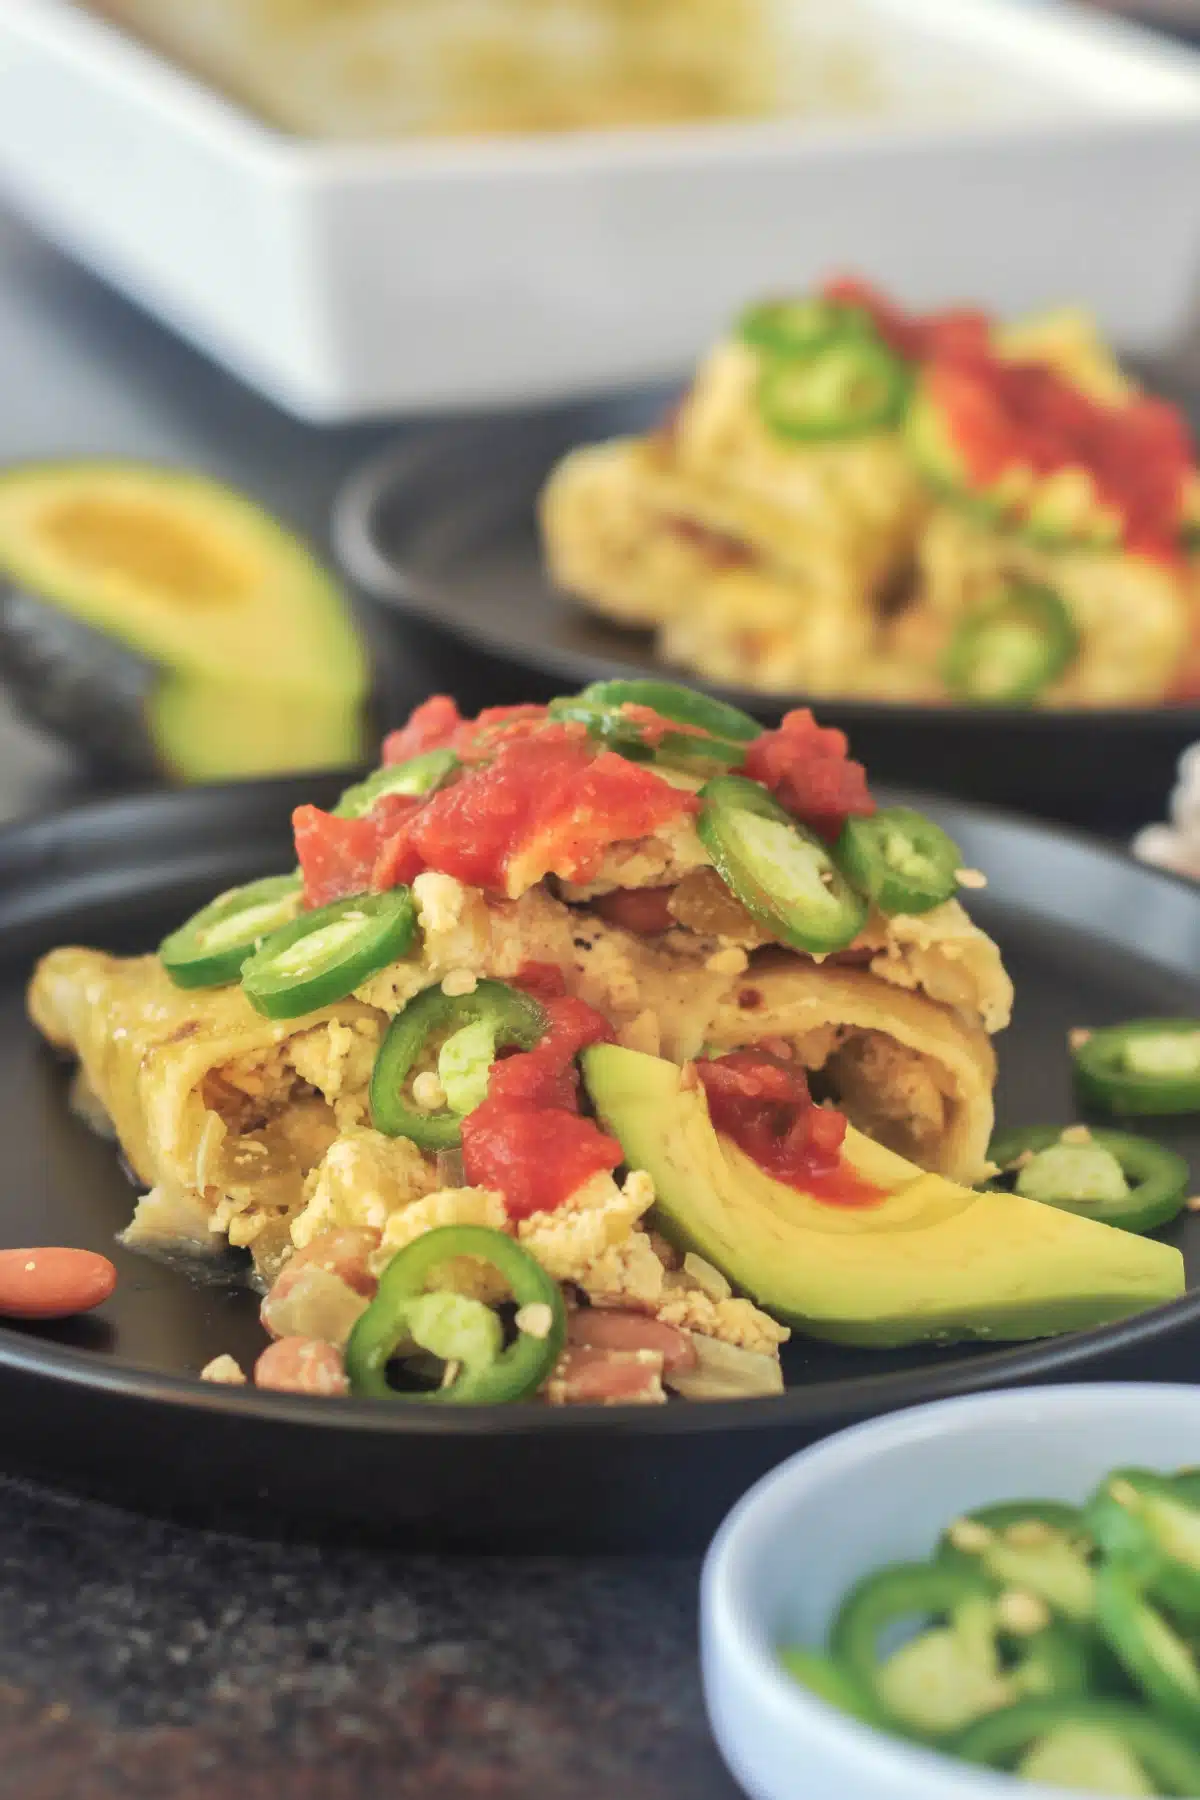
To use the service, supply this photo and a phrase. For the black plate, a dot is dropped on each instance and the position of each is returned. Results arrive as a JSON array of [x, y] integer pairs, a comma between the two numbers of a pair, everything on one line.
[[443, 531], [109, 1402]]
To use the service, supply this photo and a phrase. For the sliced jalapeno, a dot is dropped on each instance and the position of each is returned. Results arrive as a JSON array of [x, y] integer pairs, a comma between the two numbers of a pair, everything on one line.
[[509, 1018], [454, 1329], [1151, 1524], [827, 1679], [1037, 1546], [682, 704], [800, 326], [629, 736], [1009, 651], [322, 956], [846, 388], [1000, 1740], [1146, 1068], [899, 859], [781, 872], [419, 775], [1154, 1655], [1112, 1176], [209, 950]]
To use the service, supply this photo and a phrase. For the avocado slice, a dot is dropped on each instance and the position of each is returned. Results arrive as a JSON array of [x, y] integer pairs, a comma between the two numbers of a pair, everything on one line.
[[931, 1262], [169, 625]]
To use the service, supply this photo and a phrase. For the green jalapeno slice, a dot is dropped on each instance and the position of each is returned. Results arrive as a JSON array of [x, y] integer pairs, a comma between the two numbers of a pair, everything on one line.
[[828, 1680], [1113, 1176], [463, 1334], [209, 950], [322, 956], [419, 775], [801, 325], [1147, 1067], [899, 859], [629, 736], [782, 873], [846, 388], [1150, 1523], [681, 704], [1036, 1546], [1010, 650], [497, 1017], [1153, 1653], [1001, 1740]]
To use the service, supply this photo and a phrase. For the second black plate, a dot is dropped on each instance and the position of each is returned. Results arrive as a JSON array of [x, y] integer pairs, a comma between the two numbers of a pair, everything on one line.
[[111, 1402], [443, 531]]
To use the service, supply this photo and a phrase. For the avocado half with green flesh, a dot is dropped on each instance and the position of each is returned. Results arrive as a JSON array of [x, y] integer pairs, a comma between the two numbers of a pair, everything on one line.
[[931, 1262], [168, 625], [1060, 510]]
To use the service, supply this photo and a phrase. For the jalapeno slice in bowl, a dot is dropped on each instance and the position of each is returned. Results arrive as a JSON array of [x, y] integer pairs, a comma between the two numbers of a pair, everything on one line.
[[419, 775], [1146, 1068], [487, 1373], [211, 947], [1113, 1176], [799, 326], [322, 956], [999, 1741], [899, 859], [782, 873]]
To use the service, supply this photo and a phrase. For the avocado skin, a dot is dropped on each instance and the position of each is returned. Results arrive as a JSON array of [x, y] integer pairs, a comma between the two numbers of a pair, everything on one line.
[[932, 1262]]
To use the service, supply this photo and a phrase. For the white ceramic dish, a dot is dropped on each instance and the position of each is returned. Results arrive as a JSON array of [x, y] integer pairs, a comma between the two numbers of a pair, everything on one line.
[[1026, 154], [881, 1493]]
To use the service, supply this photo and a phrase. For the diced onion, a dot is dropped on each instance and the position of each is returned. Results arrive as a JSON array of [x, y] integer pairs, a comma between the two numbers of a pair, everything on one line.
[[450, 1171], [709, 1279], [726, 1372]]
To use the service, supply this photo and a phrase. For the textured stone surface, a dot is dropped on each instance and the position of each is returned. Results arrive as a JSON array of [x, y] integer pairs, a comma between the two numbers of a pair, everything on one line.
[[139, 1660]]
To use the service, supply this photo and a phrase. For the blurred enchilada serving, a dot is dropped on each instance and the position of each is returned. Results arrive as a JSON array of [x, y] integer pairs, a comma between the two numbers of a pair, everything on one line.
[[849, 500]]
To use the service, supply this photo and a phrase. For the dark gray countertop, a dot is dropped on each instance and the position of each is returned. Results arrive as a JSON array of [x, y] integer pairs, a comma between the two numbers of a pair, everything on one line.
[[139, 1659]]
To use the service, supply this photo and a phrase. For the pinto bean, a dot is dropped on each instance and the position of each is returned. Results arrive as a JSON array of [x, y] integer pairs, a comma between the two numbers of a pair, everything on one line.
[[53, 1283], [605, 1328], [299, 1365], [344, 1253], [606, 1378], [644, 911]]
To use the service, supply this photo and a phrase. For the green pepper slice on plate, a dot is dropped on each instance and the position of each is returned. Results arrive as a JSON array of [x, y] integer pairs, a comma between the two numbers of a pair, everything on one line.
[[1146, 1068], [210, 949], [492, 1017], [1154, 1747], [419, 775], [628, 736], [466, 1335], [847, 388], [899, 859], [682, 704], [1009, 651], [322, 956], [799, 326], [782, 873], [1037, 1546], [1154, 1655], [1113, 1176]]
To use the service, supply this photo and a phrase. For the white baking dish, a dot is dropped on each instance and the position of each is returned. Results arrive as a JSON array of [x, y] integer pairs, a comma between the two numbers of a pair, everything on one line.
[[1035, 155]]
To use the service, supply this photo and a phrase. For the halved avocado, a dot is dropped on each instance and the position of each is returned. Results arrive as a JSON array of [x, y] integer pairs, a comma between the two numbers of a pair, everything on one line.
[[167, 624], [930, 1262]]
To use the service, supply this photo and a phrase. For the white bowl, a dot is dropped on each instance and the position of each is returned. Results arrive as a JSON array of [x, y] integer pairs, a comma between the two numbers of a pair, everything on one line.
[[1030, 154], [882, 1493]]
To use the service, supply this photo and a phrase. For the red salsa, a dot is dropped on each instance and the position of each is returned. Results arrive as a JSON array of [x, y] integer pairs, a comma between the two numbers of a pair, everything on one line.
[[763, 1103], [528, 1139], [809, 769]]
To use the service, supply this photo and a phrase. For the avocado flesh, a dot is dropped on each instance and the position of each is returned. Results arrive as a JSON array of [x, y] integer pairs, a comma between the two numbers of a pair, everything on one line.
[[931, 1262], [246, 649]]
